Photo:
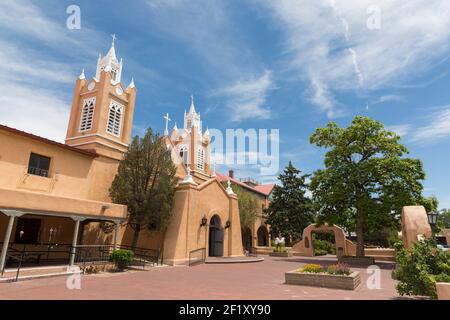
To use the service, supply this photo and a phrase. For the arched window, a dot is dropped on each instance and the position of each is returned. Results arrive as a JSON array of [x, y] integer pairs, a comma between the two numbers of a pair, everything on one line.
[[184, 154], [114, 118], [200, 158], [87, 114]]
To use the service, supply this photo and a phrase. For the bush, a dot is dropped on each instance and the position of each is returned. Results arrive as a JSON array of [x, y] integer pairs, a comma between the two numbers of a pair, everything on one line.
[[312, 268], [323, 247], [339, 269], [280, 248], [420, 267], [122, 258]]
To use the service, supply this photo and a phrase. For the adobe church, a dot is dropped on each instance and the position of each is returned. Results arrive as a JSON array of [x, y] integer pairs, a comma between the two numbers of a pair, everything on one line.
[[55, 195]]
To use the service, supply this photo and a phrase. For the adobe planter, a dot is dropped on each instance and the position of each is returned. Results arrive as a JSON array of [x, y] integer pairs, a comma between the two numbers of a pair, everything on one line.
[[281, 254], [443, 290], [350, 282], [356, 261]]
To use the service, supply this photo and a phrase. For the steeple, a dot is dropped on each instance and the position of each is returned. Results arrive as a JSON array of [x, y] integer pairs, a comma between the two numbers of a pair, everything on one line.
[[192, 118], [110, 63]]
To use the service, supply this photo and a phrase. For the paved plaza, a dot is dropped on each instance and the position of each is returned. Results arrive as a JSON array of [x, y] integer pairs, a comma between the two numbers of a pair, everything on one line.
[[261, 280]]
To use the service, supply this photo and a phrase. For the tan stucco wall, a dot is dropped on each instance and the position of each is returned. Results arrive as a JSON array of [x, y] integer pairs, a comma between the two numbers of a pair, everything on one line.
[[77, 183], [414, 224]]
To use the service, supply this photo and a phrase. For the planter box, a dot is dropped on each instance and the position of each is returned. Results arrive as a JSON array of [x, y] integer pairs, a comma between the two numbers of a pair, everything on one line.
[[443, 290], [281, 254], [350, 282], [354, 261]]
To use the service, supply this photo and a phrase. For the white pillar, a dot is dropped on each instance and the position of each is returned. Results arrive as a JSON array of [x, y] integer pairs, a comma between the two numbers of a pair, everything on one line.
[[74, 242], [6, 242]]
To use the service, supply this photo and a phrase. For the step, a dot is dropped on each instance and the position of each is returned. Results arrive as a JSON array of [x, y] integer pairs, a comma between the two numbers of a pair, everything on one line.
[[38, 273]]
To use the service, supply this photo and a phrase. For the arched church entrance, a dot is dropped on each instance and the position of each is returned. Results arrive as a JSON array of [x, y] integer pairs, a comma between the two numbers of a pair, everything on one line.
[[263, 236], [247, 239], [215, 237]]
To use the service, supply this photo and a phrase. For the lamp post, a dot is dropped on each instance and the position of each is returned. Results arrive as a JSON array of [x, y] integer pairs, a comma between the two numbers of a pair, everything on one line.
[[432, 220]]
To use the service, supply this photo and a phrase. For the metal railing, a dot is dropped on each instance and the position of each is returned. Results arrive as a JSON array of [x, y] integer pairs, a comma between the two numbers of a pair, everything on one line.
[[38, 171], [197, 256]]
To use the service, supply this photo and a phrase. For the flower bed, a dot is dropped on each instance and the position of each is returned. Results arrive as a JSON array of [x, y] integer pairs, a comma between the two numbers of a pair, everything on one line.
[[337, 276]]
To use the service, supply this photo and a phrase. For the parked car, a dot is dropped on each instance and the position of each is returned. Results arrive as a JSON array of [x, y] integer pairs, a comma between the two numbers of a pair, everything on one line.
[[443, 247]]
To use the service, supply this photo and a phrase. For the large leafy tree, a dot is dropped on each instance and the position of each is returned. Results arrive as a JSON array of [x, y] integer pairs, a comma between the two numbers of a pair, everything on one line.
[[290, 210], [145, 182], [366, 178], [248, 206]]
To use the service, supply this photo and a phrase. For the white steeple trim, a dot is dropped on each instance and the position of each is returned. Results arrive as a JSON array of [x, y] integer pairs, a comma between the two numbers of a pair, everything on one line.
[[229, 189], [82, 76], [206, 132], [192, 107], [188, 178], [131, 85], [110, 63], [175, 127]]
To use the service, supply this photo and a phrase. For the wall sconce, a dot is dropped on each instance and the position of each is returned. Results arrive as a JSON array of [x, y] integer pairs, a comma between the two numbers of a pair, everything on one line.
[[227, 224], [204, 221]]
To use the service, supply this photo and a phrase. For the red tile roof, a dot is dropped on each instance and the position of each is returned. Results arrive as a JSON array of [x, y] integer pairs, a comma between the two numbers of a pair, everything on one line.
[[48, 141], [264, 189]]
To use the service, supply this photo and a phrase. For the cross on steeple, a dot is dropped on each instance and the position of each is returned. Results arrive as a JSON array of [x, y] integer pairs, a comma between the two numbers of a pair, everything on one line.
[[114, 38], [166, 132]]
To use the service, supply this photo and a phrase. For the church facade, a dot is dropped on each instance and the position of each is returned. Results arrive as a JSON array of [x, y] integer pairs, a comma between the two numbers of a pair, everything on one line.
[[56, 195]]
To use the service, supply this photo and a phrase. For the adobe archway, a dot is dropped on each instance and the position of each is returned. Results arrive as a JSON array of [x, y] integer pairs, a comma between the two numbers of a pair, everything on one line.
[[306, 248]]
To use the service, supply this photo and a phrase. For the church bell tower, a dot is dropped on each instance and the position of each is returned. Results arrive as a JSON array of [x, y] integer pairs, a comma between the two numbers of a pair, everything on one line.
[[102, 109]]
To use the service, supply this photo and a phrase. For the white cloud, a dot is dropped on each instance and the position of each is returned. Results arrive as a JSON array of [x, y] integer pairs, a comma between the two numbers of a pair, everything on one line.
[[328, 43], [246, 98], [437, 128], [390, 98], [401, 129], [206, 28]]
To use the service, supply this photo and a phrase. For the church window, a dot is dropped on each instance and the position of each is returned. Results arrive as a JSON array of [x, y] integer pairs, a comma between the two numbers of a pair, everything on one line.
[[87, 114], [114, 118], [113, 75], [184, 154], [189, 123], [201, 158]]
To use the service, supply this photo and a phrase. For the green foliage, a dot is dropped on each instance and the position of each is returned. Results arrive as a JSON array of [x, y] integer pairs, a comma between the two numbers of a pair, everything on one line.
[[420, 267], [290, 210], [122, 258], [323, 247], [279, 247], [248, 205], [145, 182], [366, 180], [444, 219], [334, 269], [431, 203]]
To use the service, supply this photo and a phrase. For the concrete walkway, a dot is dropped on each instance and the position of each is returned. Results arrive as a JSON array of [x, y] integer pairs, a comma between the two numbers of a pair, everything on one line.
[[262, 280]]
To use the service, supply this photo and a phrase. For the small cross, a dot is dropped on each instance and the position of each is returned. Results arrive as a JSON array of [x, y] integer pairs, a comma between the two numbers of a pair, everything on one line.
[[167, 123], [192, 99], [113, 38]]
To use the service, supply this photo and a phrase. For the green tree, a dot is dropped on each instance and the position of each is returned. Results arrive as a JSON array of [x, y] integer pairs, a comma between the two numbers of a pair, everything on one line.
[[248, 206], [430, 204], [444, 219], [290, 210], [366, 178], [145, 182]]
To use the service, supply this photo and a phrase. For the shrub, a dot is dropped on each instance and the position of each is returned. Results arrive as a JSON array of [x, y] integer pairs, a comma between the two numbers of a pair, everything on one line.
[[323, 247], [420, 267], [312, 268], [122, 258], [280, 248], [339, 269]]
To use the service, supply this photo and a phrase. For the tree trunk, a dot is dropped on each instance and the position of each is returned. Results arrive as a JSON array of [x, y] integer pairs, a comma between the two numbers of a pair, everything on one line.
[[359, 233], [137, 230]]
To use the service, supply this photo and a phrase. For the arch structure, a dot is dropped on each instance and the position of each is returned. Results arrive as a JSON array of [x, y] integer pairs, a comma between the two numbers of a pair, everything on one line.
[[305, 246]]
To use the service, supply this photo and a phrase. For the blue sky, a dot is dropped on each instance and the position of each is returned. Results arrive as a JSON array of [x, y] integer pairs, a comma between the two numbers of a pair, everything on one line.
[[288, 65]]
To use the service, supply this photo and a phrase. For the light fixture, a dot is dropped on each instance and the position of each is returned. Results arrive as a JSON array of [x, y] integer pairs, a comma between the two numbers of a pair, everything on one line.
[[432, 220], [227, 224], [204, 221]]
